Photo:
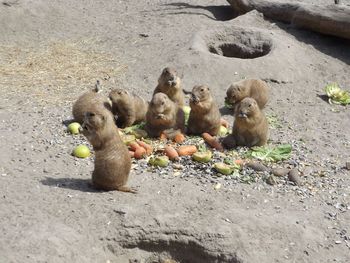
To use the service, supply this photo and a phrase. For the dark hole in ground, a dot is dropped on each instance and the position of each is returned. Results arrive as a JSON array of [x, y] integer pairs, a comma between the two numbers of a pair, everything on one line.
[[180, 251], [239, 50]]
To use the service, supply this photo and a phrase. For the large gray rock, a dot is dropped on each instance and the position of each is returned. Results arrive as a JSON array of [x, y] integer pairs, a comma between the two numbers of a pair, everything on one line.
[[331, 19]]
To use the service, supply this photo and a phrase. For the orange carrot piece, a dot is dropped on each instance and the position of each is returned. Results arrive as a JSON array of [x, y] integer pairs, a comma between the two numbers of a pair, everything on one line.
[[239, 162], [147, 147], [212, 141], [171, 153], [163, 136], [132, 154], [186, 150], [224, 123], [140, 153], [179, 138], [134, 146]]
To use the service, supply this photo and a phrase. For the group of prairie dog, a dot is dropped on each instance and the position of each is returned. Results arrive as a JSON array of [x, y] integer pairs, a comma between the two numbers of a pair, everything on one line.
[[164, 114]]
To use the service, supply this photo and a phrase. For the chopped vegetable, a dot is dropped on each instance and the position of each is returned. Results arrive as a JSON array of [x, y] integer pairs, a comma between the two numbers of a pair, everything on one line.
[[202, 157], [128, 138], [139, 133], [223, 168], [273, 121], [161, 161], [179, 138], [270, 154], [337, 95], [212, 141], [134, 127], [223, 131], [171, 153], [187, 111], [186, 150], [140, 152], [228, 105], [146, 146]]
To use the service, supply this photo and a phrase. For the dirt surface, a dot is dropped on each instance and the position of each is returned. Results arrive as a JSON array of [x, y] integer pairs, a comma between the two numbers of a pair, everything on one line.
[[52, 51]]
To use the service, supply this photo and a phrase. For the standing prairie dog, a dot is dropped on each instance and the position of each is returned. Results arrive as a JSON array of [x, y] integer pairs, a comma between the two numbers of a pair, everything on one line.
[[204, 115], [88, 101], [250, 126], [112, 159], [170, 84], [130, 109], [164, 116], [254, 88]]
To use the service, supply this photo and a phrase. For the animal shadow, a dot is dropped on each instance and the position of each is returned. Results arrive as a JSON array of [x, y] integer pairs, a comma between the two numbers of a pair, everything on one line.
[[83, 185], [67, 122]]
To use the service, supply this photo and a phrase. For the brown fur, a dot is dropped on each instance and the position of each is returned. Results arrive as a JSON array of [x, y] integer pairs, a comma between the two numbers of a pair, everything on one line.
[[250, 127], [89, 101], [112, 159], [254, 88], [204, 115], [130, 109], [163, 115], [170, 84]]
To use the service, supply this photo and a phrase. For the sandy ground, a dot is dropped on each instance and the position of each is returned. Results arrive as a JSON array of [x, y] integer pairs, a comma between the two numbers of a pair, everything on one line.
[[51, 51]]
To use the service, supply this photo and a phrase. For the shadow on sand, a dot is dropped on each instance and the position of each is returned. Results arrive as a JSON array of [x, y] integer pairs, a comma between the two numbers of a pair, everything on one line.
[[83, 185]]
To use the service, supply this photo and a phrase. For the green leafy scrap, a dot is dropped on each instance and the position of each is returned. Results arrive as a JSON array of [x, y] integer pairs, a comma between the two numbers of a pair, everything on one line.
[[271, 154], [132, 128], [336, 95]]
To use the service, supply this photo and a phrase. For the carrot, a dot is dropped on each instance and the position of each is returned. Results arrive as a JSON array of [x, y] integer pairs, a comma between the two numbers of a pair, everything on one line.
[[179, 138], [140, 153], [239, 162], [163, 136], [186, 150], [212, 141], [147, 147], [171, 153], [132, 154], [224, 123], [133, 146]]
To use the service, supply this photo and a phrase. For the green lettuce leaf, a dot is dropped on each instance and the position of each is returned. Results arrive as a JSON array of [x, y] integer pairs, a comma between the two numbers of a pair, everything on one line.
[[270, 154], [336, 95]]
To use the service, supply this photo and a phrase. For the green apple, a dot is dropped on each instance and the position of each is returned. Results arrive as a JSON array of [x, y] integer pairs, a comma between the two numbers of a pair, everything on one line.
[[81, 151], [74, 128]]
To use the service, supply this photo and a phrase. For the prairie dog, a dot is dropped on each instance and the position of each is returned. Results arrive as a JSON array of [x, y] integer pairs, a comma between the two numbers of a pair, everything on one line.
[[130, 109], [88, 101], [254, 88], [250, 126], [112, 159], [163, 115], [170, 84], [204, 115]]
